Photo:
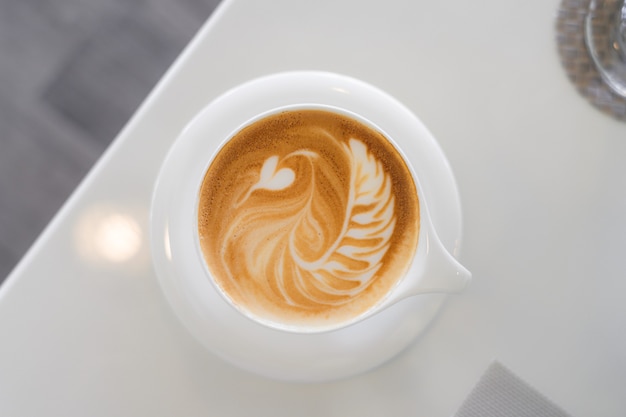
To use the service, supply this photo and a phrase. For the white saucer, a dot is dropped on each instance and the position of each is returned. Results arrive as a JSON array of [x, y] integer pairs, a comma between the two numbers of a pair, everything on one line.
[[216, 324]]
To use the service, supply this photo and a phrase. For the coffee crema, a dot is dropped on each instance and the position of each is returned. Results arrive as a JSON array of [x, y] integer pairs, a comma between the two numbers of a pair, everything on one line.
[[307, 218]]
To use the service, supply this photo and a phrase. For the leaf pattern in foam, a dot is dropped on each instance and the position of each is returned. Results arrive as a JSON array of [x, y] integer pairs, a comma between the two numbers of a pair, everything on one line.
[[369, 222]]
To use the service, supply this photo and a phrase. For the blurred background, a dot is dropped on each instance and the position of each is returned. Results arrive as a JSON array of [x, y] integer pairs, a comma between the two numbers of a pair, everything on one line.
[[72, 72]]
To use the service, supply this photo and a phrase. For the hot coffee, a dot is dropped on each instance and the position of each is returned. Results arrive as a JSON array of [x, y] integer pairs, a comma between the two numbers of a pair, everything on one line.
[[308, 218]]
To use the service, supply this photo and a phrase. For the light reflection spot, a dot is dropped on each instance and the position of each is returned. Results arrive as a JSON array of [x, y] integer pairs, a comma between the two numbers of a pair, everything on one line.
[[117, 238], [108, 235]]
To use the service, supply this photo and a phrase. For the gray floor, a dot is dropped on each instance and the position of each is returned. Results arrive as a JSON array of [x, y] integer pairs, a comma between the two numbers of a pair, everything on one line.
[[71, 74]]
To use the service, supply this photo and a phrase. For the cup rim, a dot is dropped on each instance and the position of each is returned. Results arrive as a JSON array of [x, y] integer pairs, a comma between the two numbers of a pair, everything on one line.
[[423, 219]]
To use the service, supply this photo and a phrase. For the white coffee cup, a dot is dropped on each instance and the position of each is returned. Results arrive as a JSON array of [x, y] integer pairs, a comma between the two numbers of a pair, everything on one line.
[[303, 353]]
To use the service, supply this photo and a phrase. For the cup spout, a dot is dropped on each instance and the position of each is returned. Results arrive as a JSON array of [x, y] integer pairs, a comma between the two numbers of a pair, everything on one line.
[[440, 273]]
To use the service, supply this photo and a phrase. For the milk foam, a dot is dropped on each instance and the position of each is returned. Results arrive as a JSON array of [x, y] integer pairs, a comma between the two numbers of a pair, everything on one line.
[[307, 218]]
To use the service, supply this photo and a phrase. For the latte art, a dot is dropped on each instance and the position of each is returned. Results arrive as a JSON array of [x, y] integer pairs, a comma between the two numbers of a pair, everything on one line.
[[341, 265], [307, 217]]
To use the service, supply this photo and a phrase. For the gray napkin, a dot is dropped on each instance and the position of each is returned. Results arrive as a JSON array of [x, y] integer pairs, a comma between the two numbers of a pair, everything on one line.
[[501, 393]]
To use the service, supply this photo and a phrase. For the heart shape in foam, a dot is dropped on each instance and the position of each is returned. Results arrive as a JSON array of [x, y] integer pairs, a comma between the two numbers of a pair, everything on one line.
[[274, 180]]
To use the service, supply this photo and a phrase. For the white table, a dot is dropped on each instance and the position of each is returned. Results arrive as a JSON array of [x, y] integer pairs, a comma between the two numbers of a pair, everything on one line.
[[85, 330]]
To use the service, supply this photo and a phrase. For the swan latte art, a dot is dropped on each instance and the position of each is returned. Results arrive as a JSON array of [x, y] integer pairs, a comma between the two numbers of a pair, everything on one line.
[[307, 218]]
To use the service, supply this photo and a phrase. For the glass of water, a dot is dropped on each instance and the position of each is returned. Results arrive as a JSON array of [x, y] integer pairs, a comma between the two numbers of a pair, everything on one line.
[[605, 35]]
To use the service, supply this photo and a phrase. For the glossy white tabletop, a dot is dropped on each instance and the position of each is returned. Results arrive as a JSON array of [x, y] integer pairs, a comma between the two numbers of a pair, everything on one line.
[[85, 330]]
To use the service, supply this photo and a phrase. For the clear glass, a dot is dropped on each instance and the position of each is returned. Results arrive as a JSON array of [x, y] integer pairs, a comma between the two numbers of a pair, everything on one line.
[[605, 35]]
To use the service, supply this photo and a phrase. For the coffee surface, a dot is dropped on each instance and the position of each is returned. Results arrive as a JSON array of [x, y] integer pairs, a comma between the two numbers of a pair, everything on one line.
[[307, 218]]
